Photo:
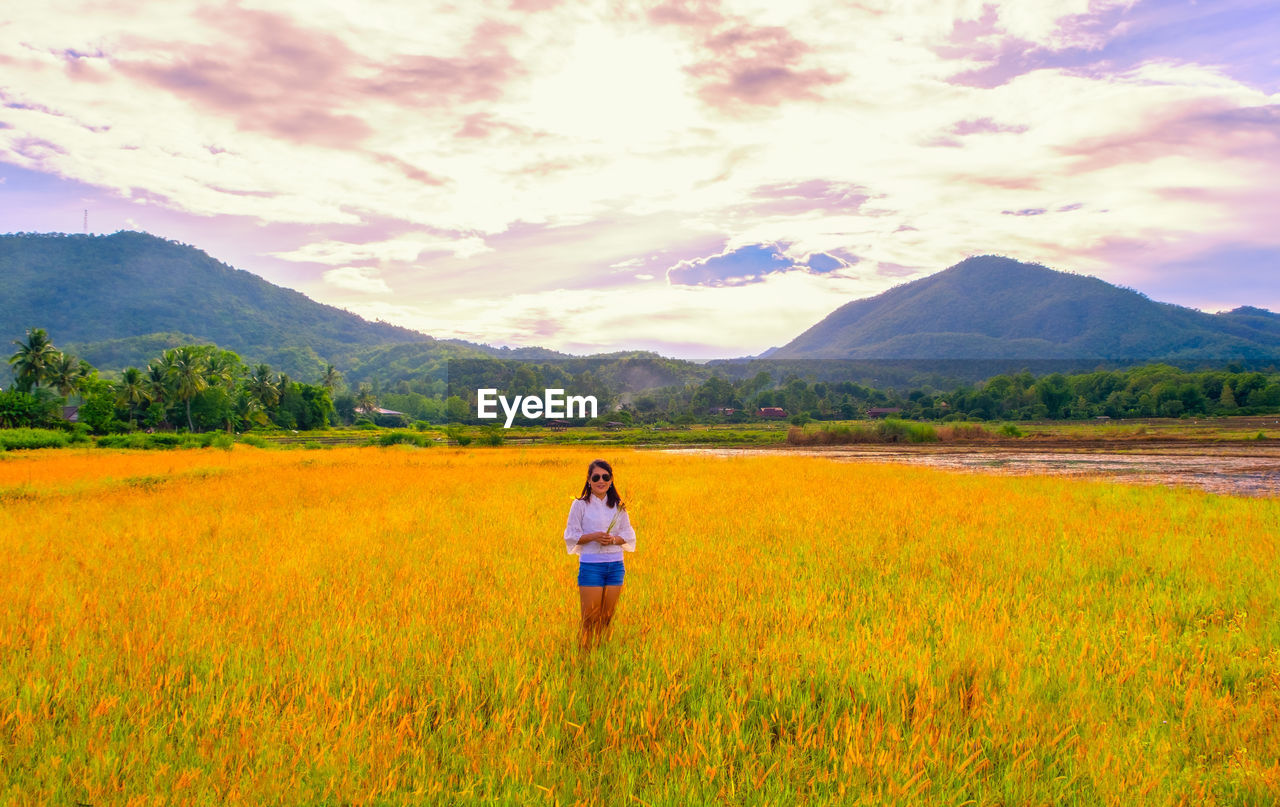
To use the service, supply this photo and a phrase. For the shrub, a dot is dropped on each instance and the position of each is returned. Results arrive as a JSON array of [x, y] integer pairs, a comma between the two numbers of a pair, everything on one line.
[[457, 435], [312, 445], [885, 431], [164, 440], [222, 441], [121, 441], [395, 438], [1010, 430], [492, 436], [253, 440], [963, 431], [17, 439], [920, 433]]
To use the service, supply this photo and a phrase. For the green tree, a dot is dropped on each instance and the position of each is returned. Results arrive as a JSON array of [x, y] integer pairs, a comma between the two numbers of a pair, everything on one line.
[[331, 379], [98, 410], [248, 409], [455, 409], [159, 393], [33, 359], [1227, 400], [132, 392], [19, 408], [222, 367], [1054, 393], [304, 406], [367, 402], [64, 374], [185, 368], [264, 387]]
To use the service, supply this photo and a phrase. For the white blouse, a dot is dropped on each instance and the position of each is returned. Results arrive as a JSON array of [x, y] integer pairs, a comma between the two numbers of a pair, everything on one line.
[[595, 515]]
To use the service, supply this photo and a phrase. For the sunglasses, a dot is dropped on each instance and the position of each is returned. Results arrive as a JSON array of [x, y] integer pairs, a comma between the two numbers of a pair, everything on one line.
[[600, 477]]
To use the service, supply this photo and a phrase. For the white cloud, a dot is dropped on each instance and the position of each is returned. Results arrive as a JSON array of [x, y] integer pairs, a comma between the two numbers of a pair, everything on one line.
[[692, 321], [405, 250], [363, 279]]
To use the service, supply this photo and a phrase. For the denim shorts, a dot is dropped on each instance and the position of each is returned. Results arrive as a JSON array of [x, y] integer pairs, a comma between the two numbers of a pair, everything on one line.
[[601, 574]]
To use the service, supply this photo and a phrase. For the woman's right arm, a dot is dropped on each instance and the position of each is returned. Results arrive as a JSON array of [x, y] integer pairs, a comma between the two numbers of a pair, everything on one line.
[[574, 537]]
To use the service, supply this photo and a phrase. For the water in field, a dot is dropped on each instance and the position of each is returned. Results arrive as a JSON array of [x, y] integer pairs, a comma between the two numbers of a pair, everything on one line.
[[1241, 470]]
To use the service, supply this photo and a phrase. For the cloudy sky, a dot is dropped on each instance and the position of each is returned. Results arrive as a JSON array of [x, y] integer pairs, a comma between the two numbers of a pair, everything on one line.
[[696, 177]]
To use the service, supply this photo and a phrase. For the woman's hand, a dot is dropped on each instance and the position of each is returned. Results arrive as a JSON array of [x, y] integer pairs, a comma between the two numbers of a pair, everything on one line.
[[602, 538]]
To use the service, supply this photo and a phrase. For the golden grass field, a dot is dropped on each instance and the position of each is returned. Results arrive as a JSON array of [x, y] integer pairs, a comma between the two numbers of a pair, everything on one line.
[[399, 626]]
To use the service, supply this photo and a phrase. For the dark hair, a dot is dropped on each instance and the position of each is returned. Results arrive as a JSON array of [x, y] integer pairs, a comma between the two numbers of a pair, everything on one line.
[[611, 498]]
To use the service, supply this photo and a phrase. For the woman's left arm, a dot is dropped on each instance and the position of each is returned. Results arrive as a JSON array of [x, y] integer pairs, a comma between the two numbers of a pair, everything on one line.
[[626, 532]]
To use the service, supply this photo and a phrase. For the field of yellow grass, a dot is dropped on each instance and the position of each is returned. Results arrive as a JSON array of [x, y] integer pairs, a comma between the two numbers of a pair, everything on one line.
[[399, 626]]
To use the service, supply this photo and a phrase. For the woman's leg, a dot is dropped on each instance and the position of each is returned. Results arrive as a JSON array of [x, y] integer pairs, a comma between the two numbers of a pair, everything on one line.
[[592, 599], [608, 603]]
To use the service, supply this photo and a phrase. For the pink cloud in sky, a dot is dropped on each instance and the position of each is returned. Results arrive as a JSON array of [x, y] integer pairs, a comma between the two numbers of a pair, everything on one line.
[[272, 74], [757, 66], [694, 13]]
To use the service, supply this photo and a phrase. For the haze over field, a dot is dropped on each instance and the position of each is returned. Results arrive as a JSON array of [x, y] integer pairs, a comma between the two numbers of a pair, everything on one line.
[[700, 178]]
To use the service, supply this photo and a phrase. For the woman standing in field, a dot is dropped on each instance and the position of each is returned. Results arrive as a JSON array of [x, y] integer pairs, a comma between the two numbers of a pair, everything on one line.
[[598, 531]]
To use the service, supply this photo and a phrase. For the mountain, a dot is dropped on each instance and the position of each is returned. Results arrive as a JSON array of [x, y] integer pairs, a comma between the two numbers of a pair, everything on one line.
[[989, 307], [107, 289], [122, 299]]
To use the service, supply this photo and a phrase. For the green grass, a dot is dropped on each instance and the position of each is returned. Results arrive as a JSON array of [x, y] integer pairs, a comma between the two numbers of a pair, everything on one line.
[[20, 439]]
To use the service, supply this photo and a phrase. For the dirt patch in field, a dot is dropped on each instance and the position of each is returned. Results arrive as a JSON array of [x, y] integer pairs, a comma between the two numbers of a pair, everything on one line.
[[1240, 468]]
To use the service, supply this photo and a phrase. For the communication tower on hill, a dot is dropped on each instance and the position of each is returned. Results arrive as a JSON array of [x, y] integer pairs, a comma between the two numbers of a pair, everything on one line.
[[86, 222]]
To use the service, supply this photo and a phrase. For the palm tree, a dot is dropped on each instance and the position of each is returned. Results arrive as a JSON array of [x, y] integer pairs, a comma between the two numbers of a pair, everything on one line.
[[132, 391], [158, 385], [249, 409], [185, 368], [367, 401], [220, 370], [32, 361], [331, 378], [64, 374], [264, 388]]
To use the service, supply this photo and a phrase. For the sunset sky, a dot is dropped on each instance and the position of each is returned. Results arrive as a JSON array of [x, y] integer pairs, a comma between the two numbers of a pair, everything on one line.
[[705, 179]]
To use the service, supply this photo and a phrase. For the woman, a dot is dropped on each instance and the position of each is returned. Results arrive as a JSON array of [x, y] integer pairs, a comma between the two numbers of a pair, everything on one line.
[[598, 532]]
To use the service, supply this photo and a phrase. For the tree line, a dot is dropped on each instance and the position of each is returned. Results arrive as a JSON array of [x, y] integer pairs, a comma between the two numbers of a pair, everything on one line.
[[196, 387], [206, 388], [1147, 391]]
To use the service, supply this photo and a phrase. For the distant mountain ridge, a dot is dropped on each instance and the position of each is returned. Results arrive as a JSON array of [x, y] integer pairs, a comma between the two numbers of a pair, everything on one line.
[[991, 307], [122, 299]]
